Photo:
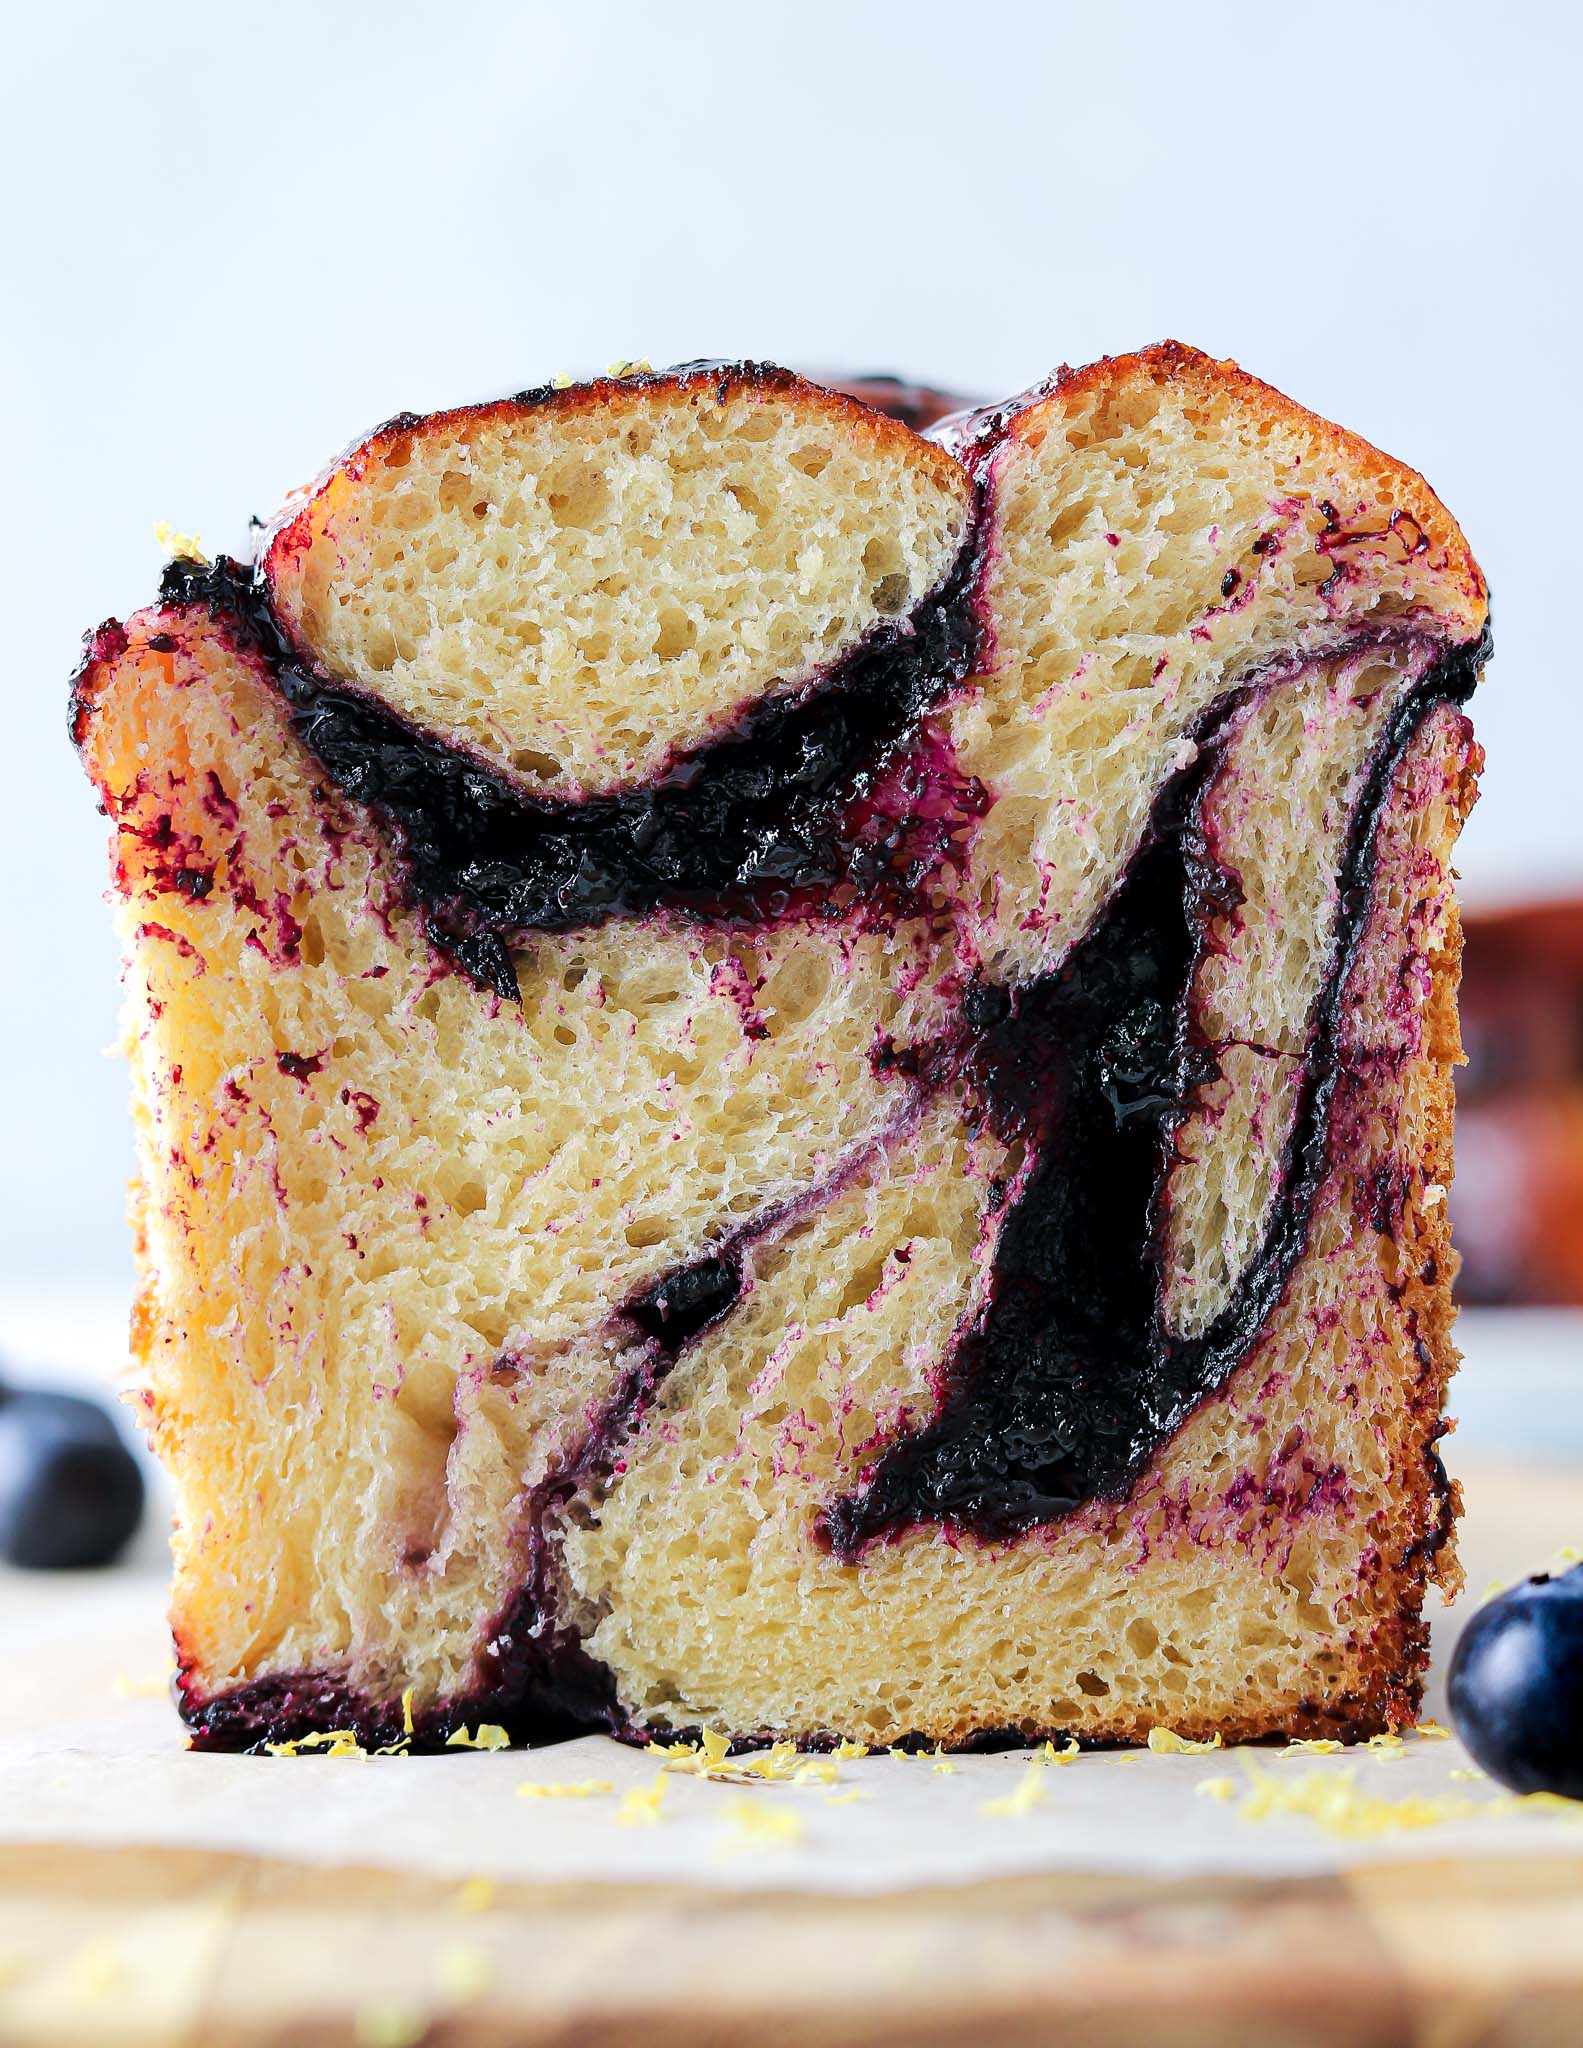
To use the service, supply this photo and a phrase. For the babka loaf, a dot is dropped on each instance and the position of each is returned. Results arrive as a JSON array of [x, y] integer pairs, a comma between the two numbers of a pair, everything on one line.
[[797, 1079]]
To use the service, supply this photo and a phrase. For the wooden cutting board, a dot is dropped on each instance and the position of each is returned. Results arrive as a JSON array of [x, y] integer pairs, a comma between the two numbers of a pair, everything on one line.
[[185, 1947]]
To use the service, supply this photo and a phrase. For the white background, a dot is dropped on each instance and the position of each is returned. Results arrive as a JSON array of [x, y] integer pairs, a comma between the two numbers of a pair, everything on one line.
[[235, 236]]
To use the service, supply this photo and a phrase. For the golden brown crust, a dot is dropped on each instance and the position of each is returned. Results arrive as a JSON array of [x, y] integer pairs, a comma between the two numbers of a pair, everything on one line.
[[1380, 1678], [1173, 362], [291, 528]]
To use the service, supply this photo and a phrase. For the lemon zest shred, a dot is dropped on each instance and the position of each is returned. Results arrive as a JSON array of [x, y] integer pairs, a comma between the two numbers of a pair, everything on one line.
[[1538, 1802], [566, 1788], [1220, 1789], [755, 1824], [1311, 1745], [406, 1710], [849, 1752], [391, 2023], [1027, 1794], [96, 1970], [125, 1687], [477, 1895], [1434, 1731], [854, 1795], [1047, 1753], [1334, 1801], [642, 1805], [178, 547], [1166, 1742], [464, 1972]]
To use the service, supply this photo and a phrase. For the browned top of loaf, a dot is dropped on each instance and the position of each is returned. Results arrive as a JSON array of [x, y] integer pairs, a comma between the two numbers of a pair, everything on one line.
[[624, 393], [1219, 380]]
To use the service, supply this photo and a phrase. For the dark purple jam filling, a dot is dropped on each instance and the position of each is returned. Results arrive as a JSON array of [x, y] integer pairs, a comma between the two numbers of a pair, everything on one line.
[[767, 822], [1072, 1381]]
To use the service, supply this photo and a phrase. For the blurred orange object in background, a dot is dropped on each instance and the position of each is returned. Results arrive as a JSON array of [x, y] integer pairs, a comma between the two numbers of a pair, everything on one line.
[[1518, 1205]]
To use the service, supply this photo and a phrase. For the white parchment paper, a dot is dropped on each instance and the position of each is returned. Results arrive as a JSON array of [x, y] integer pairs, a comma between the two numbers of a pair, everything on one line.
[[91, 1752]]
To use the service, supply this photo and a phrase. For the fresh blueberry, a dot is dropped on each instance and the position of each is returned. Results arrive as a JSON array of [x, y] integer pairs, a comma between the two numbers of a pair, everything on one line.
[[70, 1491], [1516, 1685]]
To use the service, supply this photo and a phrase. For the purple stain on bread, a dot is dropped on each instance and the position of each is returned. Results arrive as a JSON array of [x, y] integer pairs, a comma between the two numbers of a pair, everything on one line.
[[902, 989]]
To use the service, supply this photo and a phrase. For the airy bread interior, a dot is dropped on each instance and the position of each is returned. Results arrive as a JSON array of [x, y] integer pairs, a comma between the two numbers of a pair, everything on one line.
[[1162, 528], [580, 589], [387, 1220]]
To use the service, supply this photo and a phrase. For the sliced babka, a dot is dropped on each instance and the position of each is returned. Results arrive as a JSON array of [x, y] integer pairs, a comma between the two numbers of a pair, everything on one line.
[[798, 1078]]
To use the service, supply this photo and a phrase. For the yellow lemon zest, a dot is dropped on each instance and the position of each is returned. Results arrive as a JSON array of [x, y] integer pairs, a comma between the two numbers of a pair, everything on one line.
[[178, 547], [641, 1805], [1166, 1742], [1333, 1801], [755, 1824], [1027, 1794], [389, 2024], [573, 1788], [464, 1972]]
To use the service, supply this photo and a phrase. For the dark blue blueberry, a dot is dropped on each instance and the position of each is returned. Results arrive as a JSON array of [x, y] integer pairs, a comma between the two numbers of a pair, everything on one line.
[[1516, 1685], [70, 1491]]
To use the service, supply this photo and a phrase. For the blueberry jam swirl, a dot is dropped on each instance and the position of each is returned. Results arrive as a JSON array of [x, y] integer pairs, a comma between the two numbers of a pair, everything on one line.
[[832, 803], [1072, 1379], [810, 803]]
